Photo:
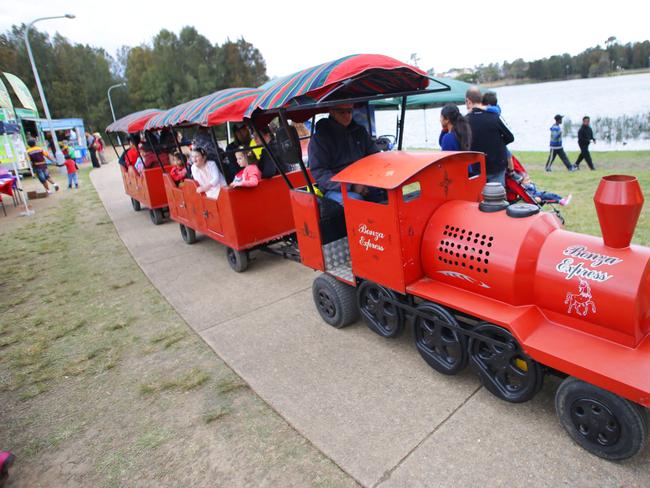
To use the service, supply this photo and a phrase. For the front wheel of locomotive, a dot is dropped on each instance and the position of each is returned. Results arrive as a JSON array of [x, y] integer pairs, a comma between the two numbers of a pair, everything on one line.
[[335, 301], [505, 370], [603, 423], [378, 312], [439, 340]]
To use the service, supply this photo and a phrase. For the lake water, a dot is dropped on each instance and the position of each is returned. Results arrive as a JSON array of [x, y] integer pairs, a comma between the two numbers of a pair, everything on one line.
[[529, 111]]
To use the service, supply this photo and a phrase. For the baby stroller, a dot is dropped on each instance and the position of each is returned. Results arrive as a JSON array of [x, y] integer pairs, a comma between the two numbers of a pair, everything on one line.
[[515, 191]]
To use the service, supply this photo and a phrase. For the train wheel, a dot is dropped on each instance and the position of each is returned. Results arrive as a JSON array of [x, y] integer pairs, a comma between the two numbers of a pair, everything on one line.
[[384, 318], [188, 234], [505, 370], [335, 301], [600, 421], [136, 205], [238, 260], [156, 215], [443, 348]]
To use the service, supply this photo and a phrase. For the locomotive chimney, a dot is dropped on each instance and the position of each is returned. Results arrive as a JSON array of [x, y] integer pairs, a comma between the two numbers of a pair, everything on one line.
[[618, 202]]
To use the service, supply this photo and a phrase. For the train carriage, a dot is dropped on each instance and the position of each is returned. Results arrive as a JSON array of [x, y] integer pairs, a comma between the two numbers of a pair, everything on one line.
[[242, 219], [146, 189]]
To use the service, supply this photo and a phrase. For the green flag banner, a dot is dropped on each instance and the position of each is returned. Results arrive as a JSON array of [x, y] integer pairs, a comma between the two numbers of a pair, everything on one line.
[[5, 99], [21, 91]]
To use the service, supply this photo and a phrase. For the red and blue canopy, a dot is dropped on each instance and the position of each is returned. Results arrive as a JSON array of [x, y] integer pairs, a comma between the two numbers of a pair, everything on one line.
[[217, 108], [354, 76], [133, 122]]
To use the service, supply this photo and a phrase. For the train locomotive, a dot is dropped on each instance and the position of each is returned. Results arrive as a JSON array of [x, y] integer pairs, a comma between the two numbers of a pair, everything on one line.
[[499, 287]]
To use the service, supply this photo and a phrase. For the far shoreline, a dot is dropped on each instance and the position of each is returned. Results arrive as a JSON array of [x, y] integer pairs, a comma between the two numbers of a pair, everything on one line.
[[528, 81]]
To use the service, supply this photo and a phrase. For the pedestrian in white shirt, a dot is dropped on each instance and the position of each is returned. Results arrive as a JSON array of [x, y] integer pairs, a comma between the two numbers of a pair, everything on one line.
[[206, 174]]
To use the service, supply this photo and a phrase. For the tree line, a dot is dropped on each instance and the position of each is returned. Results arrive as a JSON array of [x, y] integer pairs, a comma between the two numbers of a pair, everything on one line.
[[171, 69], [592, 62]]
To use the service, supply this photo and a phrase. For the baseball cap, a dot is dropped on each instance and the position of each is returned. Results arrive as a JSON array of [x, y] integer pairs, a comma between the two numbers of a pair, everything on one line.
[[558, 116]]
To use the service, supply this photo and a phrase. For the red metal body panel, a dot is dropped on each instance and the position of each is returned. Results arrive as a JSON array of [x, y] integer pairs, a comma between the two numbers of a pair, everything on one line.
[[241, 218], [147, 188], [305, 216]]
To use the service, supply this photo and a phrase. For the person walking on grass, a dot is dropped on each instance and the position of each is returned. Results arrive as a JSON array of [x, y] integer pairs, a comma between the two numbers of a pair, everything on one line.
[[585, 136], [37, 157], [72, 168], [556, 148]]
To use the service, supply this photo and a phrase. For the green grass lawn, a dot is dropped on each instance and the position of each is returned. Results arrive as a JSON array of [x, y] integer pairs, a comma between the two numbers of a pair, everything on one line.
[[580, 215], [103, 384]]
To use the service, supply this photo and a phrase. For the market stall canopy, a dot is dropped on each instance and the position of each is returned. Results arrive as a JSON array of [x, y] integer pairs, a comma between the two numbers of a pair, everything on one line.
[[134, 122], [355, 76], [217, 108], [455, 95]]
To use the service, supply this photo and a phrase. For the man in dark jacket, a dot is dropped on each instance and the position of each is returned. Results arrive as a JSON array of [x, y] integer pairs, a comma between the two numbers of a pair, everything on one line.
[[337, 143], [585, 136], [490, 135]]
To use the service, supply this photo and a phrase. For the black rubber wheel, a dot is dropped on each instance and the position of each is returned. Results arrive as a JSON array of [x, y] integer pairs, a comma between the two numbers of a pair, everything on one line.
[[238, 260], [443, 348], [382, 317], [603, 423], [136, 205], [335, 301], [188, 234], [505, 370], [156, 215]]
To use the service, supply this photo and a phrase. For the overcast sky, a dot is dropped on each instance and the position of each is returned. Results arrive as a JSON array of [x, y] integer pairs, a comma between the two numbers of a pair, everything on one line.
[[295, 35]]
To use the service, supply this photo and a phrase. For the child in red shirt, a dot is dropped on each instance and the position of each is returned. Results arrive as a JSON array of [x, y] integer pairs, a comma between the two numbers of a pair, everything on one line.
[[72, 168], [250, 175], [179, 169]]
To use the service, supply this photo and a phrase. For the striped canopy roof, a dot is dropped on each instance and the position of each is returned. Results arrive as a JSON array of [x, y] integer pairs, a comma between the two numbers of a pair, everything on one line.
[[133, 122], [217, 108], [353, 76]]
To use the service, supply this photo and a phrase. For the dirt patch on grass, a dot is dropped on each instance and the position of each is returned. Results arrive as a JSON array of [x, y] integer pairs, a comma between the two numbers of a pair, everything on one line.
[[102, 382]]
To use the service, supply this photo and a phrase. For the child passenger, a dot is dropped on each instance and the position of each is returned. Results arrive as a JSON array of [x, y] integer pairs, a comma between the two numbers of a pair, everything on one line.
[[250, 174], [206, 174], [179, 170]]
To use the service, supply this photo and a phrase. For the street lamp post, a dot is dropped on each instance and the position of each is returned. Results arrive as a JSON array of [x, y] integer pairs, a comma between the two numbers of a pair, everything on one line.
[[110, 102], [55, 142]]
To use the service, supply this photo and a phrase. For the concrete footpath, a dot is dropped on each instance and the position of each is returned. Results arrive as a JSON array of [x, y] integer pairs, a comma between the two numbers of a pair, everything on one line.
[[371, 405]]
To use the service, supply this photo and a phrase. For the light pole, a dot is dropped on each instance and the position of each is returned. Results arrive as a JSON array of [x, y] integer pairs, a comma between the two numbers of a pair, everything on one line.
[[55, 141], [110, 102]]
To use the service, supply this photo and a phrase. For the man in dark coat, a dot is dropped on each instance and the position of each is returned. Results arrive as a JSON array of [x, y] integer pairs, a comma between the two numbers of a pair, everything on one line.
[[337, 143], [585, 136], [490, 135]]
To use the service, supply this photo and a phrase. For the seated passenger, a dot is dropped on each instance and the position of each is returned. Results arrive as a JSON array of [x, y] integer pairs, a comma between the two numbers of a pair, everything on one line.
[[250, 174], [242, 137], [131, 155], [337, 143], [206, 174], [540, 196], [264, 159], [178, 172]]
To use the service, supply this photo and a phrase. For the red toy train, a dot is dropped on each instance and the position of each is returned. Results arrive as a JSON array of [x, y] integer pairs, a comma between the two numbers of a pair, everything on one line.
[[501, 288]]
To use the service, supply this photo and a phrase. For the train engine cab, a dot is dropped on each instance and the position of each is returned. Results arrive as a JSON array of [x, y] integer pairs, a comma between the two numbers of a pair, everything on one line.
[[501, 288]]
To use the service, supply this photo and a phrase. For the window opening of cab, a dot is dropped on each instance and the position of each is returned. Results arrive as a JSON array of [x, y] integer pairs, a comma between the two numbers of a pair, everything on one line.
[[474, 170], [376, 196], [411, 191]]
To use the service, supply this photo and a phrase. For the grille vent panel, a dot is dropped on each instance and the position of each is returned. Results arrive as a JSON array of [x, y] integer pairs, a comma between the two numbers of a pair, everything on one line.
[[465, 249]]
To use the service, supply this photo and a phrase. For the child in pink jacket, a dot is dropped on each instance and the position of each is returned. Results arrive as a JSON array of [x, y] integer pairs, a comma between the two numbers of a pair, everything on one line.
[[250, 175]]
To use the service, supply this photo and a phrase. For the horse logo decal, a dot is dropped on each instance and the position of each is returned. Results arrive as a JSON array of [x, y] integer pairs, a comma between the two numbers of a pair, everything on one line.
[[581, 302]]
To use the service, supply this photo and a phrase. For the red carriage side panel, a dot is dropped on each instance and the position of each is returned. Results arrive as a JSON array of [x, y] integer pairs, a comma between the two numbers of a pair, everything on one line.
[[304, 207]]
